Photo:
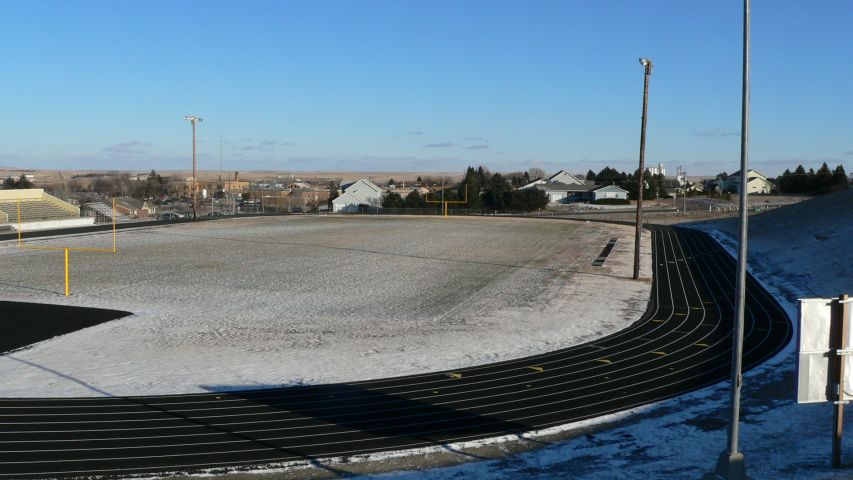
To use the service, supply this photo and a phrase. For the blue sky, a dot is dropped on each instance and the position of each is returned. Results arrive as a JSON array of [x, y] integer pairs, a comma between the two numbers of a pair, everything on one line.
[[421, 86]]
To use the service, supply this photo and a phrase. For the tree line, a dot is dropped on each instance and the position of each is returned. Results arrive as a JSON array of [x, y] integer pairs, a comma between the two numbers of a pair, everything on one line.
[[811, 182], [19, 183], [478, 190]]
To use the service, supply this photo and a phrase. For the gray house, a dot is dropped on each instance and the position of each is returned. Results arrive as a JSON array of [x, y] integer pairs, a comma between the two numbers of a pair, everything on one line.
[[565, 193]]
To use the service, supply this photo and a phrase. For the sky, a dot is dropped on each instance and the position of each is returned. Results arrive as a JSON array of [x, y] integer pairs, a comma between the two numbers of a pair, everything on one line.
[[434, 85]]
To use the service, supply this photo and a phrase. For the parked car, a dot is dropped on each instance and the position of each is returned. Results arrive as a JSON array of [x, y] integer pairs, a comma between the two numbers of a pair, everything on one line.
[[170, 216], [296, 210]]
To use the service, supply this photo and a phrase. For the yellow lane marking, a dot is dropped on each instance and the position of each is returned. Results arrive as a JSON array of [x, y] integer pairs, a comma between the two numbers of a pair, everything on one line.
[[657, 320], [603, 360], [702, 345], [695, 308], [680, 314], [435, 391], [659, 353], [708, 302], [537, 368], [528, 385], [454, 375]]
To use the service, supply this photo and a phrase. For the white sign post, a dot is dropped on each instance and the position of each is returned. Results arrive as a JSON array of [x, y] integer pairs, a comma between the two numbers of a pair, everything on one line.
[[823, 358]]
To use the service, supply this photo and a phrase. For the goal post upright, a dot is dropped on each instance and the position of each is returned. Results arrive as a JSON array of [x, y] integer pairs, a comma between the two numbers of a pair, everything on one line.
[[68, 249], [446, 202]]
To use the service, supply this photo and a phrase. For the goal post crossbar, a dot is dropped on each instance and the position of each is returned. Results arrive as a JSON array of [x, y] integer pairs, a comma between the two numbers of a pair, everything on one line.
[[22, 244]]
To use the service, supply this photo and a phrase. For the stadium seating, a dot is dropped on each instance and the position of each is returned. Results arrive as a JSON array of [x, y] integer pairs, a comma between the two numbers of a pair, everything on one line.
[[35, 205]]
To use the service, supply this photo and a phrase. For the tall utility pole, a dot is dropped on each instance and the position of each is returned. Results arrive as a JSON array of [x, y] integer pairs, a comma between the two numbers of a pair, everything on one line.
[[647, 64], [193, 119], [730, 463]]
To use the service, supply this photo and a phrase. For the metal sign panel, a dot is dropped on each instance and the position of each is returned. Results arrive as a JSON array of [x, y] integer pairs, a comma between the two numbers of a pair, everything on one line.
[[814, 352]]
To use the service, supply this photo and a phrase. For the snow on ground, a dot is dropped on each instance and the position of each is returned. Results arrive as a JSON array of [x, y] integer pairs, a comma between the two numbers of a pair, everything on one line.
[[796, 251], [256, 302]]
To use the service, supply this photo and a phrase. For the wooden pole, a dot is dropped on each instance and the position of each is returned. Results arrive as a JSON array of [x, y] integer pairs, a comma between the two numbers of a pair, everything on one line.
[[840, 312], [639, 222]]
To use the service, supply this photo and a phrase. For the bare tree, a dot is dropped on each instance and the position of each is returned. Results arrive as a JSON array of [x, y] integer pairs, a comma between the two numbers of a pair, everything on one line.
[[536, 172]]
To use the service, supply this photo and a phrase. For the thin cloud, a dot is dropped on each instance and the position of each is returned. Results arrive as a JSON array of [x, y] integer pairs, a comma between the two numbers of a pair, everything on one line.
[[441, 145], [848, 152], [262, 145], [134, 147], [474, 139], [716, 133], [479, 146]]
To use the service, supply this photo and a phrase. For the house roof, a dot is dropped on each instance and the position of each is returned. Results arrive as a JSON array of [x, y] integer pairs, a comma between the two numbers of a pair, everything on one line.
[[750, 174], [349, 198], [355, 186], [562, 187], [533, 183], [564, 174], [609, 188], [130, 202]]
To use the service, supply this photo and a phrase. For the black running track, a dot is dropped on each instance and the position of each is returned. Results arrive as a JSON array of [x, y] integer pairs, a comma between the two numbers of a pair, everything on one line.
[[680, 344]]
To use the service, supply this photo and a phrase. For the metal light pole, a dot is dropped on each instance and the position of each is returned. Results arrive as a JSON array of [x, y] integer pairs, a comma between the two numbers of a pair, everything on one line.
[[730, 464], [647, 64], [193, 119]]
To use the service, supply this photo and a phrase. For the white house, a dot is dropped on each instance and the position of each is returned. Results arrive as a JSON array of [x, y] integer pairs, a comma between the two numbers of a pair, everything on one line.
[[608, 191], [362, 192], [756, 182], [562, 177], [563, 193]]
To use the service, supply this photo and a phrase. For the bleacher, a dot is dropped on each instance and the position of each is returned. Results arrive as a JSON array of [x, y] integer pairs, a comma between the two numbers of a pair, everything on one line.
[[104, 213], [35, 206]]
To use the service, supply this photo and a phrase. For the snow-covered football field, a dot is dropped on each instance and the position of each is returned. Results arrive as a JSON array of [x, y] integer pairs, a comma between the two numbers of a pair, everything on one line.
[[271, 301]]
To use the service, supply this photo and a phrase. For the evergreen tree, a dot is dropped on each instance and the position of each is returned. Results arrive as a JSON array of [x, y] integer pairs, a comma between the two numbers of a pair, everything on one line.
[[333, 193], [392, 199], [414, 200], [839, 179]]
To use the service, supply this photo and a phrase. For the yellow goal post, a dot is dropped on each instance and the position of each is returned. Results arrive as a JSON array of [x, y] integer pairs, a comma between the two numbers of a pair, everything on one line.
[[24, 245], [446, 202]]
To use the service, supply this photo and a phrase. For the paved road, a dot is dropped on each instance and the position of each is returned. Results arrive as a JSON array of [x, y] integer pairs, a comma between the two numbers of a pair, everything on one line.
[[680, 344]]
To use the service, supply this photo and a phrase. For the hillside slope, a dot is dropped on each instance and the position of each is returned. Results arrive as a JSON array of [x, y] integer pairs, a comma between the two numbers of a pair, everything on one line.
[[806, 247]]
